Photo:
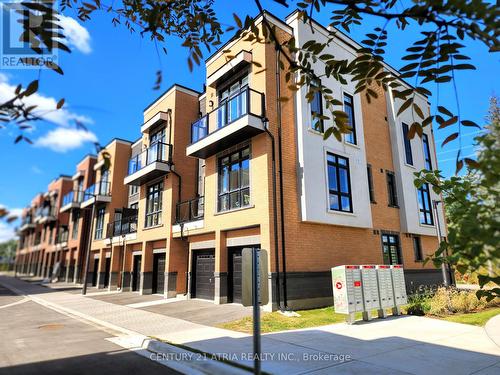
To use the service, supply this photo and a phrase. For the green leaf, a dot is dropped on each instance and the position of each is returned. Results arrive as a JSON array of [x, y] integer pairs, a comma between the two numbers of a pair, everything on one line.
[[470, 123], [444, 110], [31, 89], [450, 138]]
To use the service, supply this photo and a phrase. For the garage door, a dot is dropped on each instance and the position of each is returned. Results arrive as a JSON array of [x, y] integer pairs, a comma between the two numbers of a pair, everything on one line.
[[159, 273], [235, 275], [204, 267]]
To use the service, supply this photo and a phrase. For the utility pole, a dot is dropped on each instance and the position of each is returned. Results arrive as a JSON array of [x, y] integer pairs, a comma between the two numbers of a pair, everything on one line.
[[89, 245]]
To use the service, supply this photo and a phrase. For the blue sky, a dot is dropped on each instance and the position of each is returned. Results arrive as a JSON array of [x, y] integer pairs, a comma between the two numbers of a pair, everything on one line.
[[108, 81]]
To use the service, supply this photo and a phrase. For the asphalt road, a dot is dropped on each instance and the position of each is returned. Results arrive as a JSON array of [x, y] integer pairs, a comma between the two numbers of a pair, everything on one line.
[[38, 340]]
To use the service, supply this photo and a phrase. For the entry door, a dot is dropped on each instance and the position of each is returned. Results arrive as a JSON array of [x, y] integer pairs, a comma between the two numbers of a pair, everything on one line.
[[390, 248], [159, 273], [108, 270], [204, 283], [96, 270], [235, 275], [136, 273]]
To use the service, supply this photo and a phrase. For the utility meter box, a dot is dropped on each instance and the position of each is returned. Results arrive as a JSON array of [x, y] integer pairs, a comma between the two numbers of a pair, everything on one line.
[[385, 292], [347, 293], [399, 285], [369, 286]]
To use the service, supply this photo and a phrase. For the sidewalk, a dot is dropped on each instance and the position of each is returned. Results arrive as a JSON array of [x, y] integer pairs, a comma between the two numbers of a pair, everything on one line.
[[399, 345]]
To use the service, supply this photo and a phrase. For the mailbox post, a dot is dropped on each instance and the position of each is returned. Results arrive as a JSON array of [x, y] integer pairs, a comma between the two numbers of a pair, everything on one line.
[[347, 293]]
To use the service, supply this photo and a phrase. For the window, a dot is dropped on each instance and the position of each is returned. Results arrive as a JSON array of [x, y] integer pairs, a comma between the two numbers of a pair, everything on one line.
[[99, 226], [349, 110], [371, 191], [234, 180], [425, 207], [154, 205], [339, 184], [133, 190], [233, 102], [417, 249], [391, 189], [427, 152], [103, 187], [74, 231], [317, 111], [407, 142], [390, 249]]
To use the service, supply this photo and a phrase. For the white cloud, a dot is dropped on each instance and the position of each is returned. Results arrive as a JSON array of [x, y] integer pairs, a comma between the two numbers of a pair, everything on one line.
[[36, 170], [46, 105], [65, 139], [76, 35]]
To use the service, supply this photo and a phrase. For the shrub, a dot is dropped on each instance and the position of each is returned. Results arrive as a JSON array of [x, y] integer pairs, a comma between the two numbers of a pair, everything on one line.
[[450, 301]]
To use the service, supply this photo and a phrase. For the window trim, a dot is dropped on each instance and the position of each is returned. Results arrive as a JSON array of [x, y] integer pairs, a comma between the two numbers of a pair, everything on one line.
[[420, 192], [97, 229], [407, 144], [338, 193], [392, 200], [158, 212], [353, 125], [218, 194], [427, 152]]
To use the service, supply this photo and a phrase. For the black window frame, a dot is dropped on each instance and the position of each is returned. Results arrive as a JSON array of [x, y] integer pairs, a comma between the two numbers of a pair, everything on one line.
[[338, 193], [392, 190], [371, 188], [154, 192], [99, 223], [317, 123], [387, 257], [407, 144], [351, 119], [425, 205], [238, 191], [427, 152], [417, 249], [75, 217]]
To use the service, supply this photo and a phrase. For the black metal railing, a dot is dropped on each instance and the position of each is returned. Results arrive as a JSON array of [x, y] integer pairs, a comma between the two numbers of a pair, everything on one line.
[[157, 152], [121, 227], [190, 210], [246, 101]]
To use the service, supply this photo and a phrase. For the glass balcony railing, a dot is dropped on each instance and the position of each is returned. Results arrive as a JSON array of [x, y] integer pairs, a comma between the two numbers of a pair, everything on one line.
[[191, 210], [158, 151], [73, 197], [244, 102], [100, 188]]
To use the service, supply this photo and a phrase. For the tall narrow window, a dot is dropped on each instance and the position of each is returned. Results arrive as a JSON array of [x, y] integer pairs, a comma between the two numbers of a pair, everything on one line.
[[425, 206], [390, 249], [427, 152], [407, 142], [371, 191], [392, 193], [74, 224], [417, 249], [317, 111], [349, 110], [339, 184], [154, 205], [234, 180], [99, 226]]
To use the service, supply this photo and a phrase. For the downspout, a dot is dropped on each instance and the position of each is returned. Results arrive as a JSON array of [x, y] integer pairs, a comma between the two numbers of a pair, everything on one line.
[[275, 214], [280, 157]]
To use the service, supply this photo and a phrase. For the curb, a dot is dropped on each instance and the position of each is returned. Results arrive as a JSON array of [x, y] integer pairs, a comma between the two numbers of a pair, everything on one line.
[[182, 360]]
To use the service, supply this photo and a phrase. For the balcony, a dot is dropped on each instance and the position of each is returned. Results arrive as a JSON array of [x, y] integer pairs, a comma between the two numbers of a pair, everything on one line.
[[72, 200], [126, 225], [191, 210], [45, 214], [153, 162], [26, 223], [97, 193], [237, 119]]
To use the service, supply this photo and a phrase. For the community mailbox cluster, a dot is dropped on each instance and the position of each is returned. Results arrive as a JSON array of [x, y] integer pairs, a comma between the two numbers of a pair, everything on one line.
[[364, 288]]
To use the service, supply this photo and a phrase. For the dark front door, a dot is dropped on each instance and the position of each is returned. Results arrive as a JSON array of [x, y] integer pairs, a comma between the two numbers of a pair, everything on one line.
[[390, 249], [159, 273], [108, 270], [204, 267], [136, 274], [96, 270], [234, 275]]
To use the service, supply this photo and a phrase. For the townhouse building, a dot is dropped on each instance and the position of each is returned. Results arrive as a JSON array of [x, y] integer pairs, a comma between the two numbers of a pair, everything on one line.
[[233, 167]]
